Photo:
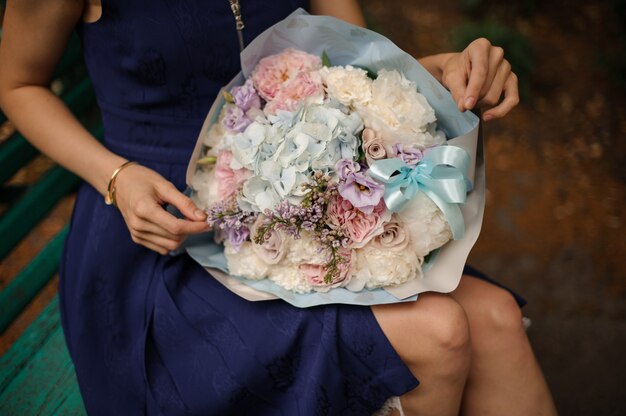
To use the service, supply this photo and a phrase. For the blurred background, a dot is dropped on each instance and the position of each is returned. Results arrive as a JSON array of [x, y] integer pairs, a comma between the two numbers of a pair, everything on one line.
[[556, 180], [556, 176]]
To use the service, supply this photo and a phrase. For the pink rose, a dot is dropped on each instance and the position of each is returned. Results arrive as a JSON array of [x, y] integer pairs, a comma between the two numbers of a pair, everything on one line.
[[273, 71], [315, 273], [356, 225], [228, 180], [373, 146]]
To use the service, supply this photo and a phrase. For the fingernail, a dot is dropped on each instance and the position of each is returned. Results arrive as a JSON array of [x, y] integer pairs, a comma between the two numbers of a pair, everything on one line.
[[199, 214], [487, 117], [469, 102]]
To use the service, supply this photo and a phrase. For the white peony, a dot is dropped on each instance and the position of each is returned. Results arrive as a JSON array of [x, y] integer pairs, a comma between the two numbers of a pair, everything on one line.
[[350, 86], [377, 268], [428, 228], [206, 187], [290, 278], [245, 262], [399, 113]]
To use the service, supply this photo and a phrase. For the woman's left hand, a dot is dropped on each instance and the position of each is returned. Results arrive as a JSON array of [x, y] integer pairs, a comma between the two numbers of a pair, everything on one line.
[[480, 77]]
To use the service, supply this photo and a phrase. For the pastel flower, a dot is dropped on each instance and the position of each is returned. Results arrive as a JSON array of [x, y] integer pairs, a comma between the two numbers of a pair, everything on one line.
[[350, 86], [306, 87], [360, 228], [244, 261], [399, 113], [346, 167], [315, 273], [274, 247], [206, 189], [245, 96], [362, 191], [427, 227], [237, 236], [394, 236], [228, 180], [373, 146], [273, 71], [409, 154], [376, 267], [235, 119], [258, 195]]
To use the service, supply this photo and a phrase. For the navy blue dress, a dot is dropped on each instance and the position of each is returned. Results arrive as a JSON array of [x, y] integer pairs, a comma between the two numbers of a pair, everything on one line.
[[152, 334]]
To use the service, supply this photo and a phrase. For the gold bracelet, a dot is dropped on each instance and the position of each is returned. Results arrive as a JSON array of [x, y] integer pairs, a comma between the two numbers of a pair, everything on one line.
[[109, 198]]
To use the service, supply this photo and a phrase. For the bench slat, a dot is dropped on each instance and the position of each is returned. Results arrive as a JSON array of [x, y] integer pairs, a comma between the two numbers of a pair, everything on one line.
[[72, 406], [30, 280], [45, 380], [33, 206], [14, 360]]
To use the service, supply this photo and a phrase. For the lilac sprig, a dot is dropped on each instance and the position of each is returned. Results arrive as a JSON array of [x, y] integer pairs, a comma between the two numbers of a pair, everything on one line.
[[231, 220], [310, 215]]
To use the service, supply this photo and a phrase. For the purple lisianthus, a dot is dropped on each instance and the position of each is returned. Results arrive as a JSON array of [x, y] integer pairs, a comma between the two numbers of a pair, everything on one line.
[[245, 96], [346, 167], [362, 191], [235, 119], [237, 235], [408, 154]]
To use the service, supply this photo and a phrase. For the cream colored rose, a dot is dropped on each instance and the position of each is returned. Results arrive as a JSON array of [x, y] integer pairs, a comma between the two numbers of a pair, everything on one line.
[[428, 228], [373, 146], [350, 86], [395, 236], [274, 247]]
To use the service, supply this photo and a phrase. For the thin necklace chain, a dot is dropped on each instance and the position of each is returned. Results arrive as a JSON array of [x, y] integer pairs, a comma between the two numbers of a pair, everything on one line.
[[236, 9]]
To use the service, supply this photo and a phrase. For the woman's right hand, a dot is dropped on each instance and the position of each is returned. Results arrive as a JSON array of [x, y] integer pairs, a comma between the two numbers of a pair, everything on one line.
[[141, 194]]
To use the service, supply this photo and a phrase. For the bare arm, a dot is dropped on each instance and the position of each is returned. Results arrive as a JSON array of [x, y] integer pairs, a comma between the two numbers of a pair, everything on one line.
[[35, 33]]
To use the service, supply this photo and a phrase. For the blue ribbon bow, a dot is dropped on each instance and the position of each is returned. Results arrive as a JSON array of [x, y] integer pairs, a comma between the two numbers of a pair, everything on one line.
[[441, 175]]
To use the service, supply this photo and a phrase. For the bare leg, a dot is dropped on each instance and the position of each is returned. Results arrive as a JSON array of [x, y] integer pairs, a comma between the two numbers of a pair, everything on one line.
[[504, 376], [431, 336]]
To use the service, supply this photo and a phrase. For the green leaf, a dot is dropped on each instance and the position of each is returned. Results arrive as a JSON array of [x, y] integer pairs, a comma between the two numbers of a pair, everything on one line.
[[325, 59], [229, 97]]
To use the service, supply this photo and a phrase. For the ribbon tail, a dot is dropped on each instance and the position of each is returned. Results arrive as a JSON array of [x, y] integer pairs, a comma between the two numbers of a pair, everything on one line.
[[451, 212], [396, 199]]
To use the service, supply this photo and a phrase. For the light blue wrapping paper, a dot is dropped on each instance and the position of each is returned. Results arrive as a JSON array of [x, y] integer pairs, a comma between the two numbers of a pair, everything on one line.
[[346, 44]]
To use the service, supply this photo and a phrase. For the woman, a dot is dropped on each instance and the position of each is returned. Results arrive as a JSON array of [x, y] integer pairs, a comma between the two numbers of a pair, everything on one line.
[[150, 333]]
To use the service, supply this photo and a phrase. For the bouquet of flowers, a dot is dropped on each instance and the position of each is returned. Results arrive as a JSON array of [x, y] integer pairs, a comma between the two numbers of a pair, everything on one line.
[[320, 177]]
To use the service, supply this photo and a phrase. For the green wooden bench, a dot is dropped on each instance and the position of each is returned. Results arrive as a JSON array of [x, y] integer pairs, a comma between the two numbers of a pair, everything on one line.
[[36, 374]]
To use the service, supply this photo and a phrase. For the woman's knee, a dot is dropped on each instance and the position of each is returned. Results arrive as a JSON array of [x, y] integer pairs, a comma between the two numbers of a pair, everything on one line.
[[489, 307], [434, 329]]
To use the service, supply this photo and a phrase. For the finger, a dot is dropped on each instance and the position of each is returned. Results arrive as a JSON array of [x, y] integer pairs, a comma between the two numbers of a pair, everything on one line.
[[492, 97], [456, 82], [496, 61], [150, 245], [511, 99], [168, 193], [176, 226], [159, 241], [478, 54], [139, 225]]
